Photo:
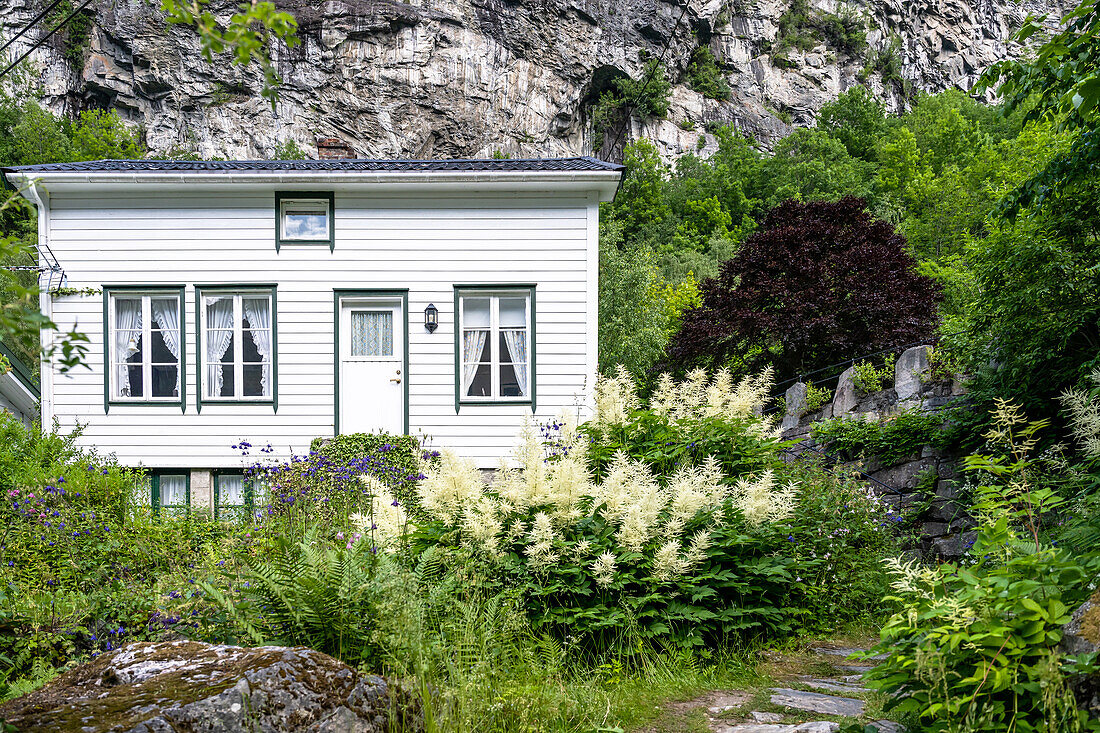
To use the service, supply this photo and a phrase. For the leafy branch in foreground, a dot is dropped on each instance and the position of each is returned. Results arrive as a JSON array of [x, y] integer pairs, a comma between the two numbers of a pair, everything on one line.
[[1061, 82], [20, 319], [247, 36]]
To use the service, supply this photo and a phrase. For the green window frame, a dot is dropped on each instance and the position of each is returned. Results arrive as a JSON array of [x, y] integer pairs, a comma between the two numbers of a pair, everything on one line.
[[310, 200], [239, 291], [155, 480], [494, 293], [112, 292], [241, 511]]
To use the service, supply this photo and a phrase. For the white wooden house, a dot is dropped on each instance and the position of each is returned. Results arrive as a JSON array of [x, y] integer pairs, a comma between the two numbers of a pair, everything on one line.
[[278, 301]]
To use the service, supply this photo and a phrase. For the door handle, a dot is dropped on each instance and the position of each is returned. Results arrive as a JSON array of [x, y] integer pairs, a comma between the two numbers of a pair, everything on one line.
[[396, 379]]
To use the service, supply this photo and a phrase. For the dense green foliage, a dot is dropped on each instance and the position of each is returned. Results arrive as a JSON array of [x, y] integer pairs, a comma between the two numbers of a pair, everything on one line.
[[890, 440], [975, 646], [80, 559], [704, 75]]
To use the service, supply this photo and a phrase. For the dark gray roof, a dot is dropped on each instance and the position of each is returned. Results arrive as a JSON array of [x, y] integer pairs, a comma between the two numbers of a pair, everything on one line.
[[351, 165]]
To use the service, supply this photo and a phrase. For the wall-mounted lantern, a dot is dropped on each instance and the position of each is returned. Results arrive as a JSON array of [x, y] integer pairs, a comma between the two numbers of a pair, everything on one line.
[[431, 318]]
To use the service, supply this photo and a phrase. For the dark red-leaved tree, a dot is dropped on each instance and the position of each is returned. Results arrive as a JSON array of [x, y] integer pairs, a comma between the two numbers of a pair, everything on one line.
[[819, 283]]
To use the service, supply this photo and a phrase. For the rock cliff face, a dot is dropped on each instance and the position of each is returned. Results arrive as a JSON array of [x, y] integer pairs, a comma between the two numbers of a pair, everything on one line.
[[458, 78]]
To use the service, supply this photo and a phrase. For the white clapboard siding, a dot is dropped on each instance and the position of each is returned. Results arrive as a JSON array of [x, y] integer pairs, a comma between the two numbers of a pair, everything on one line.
[[426, 244]]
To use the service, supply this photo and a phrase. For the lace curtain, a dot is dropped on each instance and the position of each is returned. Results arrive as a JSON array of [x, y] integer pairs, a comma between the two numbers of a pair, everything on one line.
[[516, 341], [258, 313], [127, 327], [166, 313], [473, 343], [219, 334]]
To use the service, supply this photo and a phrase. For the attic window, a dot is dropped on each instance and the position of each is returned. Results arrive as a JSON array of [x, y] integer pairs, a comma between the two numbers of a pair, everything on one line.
[[304, 218]]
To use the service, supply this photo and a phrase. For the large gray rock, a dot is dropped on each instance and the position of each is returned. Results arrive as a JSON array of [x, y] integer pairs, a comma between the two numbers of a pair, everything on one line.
[[910, 372], [190, 686], [465, 78], [846, 396], [1082, 636], [795, 400]]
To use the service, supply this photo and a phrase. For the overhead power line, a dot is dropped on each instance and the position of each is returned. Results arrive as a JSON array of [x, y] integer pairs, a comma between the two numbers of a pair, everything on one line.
[[46, 37], [649, 77], [30, 25]]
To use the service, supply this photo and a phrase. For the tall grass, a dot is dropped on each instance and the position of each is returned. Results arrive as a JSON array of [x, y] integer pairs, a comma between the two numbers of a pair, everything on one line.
[[478, 665]]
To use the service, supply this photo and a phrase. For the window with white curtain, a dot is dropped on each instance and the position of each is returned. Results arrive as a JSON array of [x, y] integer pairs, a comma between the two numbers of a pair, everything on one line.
[[233, 495], [237, 345], [494, 345], [171, 491], [144, 342]]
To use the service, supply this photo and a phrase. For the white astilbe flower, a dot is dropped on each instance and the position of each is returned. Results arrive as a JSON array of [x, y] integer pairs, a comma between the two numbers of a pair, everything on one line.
[[664, 396], [1084, 414], [615, 398], [632, 499], [694, 489], [559, 483], [540, 543], [389, 522], [919, 585], [580, 549], [603, 569], [760, 501], [697, 550], [695, 398], [447, 489], [669, 563], [482, 526]]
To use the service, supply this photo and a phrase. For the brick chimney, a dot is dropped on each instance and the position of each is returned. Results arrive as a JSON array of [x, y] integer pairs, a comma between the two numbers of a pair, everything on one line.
[[333, 148]]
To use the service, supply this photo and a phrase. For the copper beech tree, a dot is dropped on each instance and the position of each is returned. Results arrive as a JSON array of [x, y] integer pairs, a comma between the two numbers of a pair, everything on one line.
[[818, 283]]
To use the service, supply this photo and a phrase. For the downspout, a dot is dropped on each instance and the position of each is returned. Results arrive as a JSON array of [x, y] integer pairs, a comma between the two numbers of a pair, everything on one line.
[[45, 301]]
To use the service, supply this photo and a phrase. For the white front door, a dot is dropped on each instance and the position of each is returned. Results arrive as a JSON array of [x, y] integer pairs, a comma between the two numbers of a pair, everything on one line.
[[372, 358]]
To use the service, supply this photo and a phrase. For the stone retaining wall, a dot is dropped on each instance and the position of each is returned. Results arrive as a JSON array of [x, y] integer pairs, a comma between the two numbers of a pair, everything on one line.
[[926, 483]]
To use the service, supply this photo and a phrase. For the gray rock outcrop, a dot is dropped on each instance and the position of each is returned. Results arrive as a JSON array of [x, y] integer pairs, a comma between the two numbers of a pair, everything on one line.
[[188, 685], [1082, 636], [455, 78]]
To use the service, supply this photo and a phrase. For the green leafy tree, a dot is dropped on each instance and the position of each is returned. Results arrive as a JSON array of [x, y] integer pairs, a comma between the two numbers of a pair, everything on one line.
[[98, 135], [1033, 328], [633, 317], [857, 119], [1060, 82]]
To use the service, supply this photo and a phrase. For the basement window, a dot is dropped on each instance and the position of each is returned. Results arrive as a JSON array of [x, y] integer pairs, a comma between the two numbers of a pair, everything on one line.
[[304, 217]]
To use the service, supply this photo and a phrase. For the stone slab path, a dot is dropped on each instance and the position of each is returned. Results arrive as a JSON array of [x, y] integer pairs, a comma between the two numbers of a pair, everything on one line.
[[823, 680]]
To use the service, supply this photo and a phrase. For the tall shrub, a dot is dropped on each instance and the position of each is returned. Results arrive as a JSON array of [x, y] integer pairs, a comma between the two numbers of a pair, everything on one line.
[[818, 283]]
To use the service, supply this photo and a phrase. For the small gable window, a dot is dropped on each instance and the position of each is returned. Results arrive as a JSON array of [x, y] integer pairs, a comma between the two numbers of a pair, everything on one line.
[[304, 218]]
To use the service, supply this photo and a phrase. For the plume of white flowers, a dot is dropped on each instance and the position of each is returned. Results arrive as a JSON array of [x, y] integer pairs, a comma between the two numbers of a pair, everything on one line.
[[919, 584], [1084, 414], [447, 489], [389, 522], [540, 542], [603, 569], [761, 501], [697, 550], [696, 398], [693, 489], [482, 525], [559, 483], [615, 398], [668, 562], [632, 499]]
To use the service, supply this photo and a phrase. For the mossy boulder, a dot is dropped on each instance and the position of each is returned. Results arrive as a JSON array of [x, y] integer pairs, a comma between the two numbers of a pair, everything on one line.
[[189, 686], [1082, 636]]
